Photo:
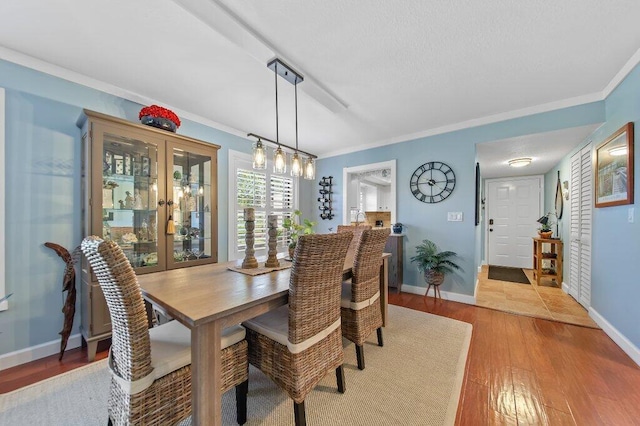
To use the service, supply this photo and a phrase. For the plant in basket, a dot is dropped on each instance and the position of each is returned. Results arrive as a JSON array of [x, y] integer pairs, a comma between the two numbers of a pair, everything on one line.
[[160, 117]]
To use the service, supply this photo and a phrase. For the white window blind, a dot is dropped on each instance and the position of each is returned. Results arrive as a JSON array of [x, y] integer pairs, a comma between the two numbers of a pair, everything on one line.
[[267, 193]]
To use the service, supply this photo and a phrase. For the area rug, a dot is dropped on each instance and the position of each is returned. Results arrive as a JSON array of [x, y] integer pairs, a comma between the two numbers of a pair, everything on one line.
[[415, 379], [514, 275]]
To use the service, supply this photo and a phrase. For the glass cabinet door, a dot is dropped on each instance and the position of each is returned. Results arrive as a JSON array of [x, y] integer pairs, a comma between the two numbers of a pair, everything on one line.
[[130, 198], [190, 183]]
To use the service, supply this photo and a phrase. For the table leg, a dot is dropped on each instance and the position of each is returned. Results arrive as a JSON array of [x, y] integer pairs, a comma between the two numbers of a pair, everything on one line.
[[205, 374], [384, 289]]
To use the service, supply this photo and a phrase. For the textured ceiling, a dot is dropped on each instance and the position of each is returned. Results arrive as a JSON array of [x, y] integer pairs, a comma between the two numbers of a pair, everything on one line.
[[375, 71], [544, 149]]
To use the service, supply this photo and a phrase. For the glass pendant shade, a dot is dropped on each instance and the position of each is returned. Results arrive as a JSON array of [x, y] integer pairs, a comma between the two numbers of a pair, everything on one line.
[[309, 169], [296, 165], [279, 161], [259, 156]]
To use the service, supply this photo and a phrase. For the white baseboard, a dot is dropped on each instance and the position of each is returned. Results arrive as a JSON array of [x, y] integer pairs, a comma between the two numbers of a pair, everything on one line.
[[36, 352], [479, 268], [619, 338], [475, 289], [565, 287], [454, 297]]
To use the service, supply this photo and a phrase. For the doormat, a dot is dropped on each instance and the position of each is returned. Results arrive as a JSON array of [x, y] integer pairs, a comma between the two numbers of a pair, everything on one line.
[[514, 275]]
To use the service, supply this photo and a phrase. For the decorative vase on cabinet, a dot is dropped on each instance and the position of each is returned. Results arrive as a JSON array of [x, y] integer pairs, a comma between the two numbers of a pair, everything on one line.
[[130, 193]]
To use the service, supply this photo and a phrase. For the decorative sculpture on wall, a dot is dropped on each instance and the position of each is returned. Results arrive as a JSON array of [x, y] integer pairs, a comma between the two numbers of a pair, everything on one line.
[[68, 285]]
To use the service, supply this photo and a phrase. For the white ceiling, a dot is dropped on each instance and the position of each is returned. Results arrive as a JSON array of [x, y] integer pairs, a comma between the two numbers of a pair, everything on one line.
[[544, 149], [375, 72]]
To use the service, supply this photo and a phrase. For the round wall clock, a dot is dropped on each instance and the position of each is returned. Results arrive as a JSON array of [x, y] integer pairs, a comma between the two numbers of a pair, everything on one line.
[[432, 182]]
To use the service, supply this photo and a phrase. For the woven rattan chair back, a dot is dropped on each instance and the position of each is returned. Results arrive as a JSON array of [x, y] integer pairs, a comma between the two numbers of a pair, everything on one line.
[[366, 264], [130, 347], [357, 234], [315, 284]]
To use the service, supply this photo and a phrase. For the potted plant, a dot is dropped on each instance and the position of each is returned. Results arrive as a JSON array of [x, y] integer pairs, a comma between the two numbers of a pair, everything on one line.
[[433, 263], [545, 231], [295, 228]]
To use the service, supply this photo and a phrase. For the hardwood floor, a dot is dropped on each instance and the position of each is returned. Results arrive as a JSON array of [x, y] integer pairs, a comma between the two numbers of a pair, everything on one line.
[[524, 370], [520, 370]]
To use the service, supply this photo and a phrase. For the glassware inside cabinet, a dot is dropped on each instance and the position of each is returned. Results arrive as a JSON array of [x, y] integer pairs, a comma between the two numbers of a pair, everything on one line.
[[130, 196], [191, 177]]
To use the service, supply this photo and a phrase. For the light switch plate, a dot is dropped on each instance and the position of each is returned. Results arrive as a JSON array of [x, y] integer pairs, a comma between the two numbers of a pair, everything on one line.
[[454, 216], [630, 215]]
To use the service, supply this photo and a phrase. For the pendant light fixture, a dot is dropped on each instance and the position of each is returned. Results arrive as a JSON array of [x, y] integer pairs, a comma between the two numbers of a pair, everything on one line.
[[279, 155], [309, 169], [279, 160], [259, 156]]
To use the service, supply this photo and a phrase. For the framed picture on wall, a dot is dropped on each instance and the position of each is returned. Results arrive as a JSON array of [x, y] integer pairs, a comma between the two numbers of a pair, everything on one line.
[[614, 169]]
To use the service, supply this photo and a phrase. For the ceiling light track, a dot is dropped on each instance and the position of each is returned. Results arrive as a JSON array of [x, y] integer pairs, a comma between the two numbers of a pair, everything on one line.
[[264, 139], [298, 168]]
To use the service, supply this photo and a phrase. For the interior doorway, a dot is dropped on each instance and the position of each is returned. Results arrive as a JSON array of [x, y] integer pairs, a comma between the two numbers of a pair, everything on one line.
[[513, 206]]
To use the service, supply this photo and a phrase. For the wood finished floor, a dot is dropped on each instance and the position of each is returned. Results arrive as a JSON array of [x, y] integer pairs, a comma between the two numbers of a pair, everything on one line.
[[520, 370], [546, 300]]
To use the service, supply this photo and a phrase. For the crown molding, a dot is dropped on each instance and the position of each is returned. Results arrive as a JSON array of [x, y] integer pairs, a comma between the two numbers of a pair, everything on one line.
[[18, 58], [476, 122]]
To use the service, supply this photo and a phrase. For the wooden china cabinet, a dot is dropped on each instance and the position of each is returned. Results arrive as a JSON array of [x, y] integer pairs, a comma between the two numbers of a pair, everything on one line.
[[135, 179]]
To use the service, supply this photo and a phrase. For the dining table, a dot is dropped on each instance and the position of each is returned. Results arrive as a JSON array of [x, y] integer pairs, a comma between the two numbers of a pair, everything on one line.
[[208, 298]]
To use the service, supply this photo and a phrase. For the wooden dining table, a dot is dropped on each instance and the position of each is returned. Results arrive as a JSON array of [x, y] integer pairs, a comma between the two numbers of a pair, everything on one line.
[[211, 297]]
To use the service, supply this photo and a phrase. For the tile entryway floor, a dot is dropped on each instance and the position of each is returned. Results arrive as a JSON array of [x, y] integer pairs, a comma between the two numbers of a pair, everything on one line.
[[546, 301]]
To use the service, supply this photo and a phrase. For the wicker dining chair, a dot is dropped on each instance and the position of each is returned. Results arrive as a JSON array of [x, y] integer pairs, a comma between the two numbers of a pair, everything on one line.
[[360, 303], [297, 344], [151, 368], [357, 234]]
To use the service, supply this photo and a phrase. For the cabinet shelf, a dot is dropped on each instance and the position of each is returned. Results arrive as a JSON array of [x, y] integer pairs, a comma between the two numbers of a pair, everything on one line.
[[547, 264]]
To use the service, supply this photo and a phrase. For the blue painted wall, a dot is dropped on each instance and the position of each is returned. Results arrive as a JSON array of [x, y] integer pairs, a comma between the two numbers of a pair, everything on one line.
[[615, 290], [457, 149], [42, 176]]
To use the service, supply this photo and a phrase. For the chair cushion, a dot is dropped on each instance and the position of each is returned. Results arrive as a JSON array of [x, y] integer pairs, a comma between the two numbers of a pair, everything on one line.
[[275, 325], [345, 298], [171, 350], [171, 345]]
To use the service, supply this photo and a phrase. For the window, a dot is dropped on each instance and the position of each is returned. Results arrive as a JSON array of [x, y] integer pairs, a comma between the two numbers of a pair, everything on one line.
[[268, 193]]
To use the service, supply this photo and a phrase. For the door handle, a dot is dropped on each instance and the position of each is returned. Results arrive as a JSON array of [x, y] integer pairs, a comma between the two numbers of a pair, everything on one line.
[[490, 229]]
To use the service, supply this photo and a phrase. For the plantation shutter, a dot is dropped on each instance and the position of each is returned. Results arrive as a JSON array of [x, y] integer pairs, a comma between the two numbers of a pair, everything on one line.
[[267, 193]]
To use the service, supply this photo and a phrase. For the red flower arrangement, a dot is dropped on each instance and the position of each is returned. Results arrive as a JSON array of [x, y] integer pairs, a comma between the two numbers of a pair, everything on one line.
[[158, 111]]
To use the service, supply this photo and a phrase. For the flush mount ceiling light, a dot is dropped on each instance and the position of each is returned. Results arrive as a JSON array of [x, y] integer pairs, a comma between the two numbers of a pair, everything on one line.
[[520, 162], [308, 171], [618, 150]]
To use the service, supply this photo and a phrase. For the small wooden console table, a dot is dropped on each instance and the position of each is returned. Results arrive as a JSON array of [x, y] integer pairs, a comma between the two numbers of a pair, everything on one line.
[[552, 257]]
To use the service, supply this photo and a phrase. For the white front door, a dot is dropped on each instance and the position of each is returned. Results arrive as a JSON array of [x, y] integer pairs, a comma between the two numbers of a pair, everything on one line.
[[513, 206]]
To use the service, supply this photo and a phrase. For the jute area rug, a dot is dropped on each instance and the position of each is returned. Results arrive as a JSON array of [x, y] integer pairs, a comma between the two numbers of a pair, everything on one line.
[[414, 379]]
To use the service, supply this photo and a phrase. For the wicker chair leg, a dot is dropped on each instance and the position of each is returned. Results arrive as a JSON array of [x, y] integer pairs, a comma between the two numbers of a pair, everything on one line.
[[340, 379], [241, 402], [360, 356], [298, 412], [380, 341], [109, 423]]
